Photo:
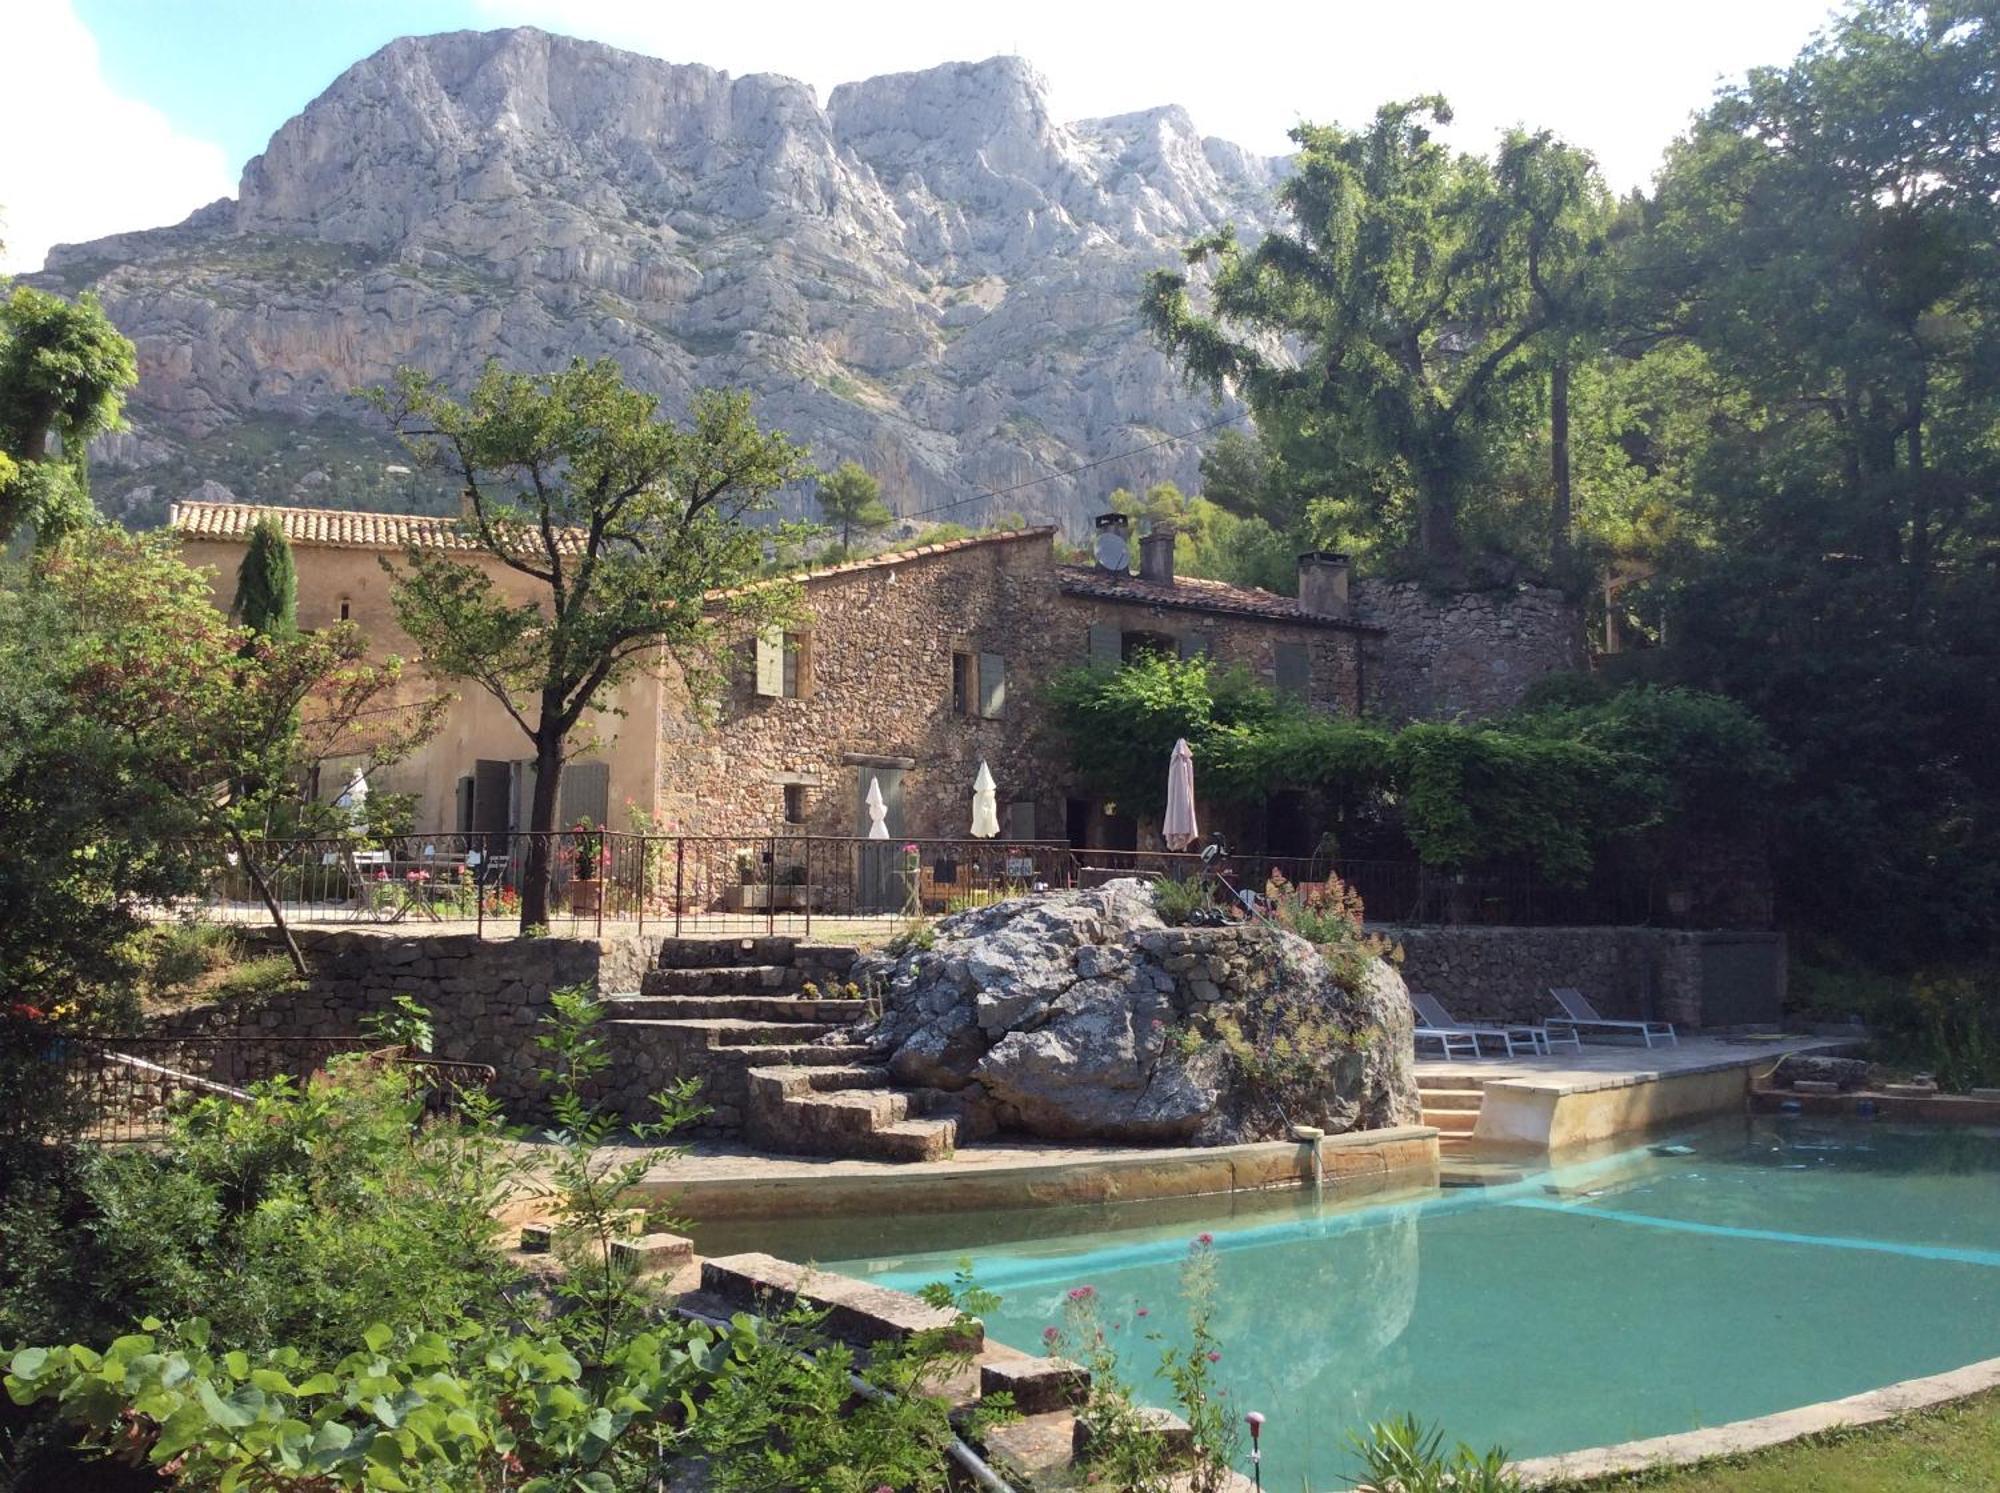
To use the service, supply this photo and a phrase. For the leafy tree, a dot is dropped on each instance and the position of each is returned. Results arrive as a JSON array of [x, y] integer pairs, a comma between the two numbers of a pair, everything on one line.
[[612, 530], [216, 726], [850, 501], [64, 370], [267, 581], [1406, 279]]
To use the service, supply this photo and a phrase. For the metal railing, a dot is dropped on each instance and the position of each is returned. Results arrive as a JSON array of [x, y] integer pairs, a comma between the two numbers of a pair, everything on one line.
[[808, 884]]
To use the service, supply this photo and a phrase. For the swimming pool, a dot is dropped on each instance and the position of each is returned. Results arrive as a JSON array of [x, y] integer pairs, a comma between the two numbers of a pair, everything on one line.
[[1773, 1263]]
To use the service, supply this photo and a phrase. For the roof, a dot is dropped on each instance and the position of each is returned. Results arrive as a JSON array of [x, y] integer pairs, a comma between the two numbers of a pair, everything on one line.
[[1190, 593], [898, 557], [331, 528]]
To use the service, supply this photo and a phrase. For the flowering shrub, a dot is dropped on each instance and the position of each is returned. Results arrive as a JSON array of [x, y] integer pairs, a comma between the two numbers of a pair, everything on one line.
[[1123, 1450]]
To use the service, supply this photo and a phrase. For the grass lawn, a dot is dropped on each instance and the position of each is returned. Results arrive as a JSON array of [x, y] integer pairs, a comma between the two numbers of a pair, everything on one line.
[[1956, 1447]]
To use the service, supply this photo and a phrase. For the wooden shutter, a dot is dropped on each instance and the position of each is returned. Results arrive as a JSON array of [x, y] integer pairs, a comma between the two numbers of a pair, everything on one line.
[[770, 663], [992, 685], [1194, 645], [585, 794], [801, 646], [1107, 645], [1294, 669]]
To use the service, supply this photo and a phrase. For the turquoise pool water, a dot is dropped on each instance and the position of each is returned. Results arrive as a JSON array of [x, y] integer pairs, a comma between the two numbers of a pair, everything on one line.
[[1777, 1263]]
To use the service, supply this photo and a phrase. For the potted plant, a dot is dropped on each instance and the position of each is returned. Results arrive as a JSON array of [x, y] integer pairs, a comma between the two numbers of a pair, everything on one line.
[[586, 892]]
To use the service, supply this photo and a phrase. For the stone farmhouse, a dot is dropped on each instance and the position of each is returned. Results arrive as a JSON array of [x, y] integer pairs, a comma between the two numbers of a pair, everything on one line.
[[908, 670]]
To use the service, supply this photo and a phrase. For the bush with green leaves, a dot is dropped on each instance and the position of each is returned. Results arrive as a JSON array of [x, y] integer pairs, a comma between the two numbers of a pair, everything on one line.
[[1406, 1456]]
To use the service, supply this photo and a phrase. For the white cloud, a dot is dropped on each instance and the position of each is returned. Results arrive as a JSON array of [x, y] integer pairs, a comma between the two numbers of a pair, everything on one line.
[[1620, 80], [81, 160]]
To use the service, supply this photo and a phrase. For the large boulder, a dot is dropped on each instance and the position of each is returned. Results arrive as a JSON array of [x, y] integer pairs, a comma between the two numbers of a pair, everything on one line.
[[1080, 1015]]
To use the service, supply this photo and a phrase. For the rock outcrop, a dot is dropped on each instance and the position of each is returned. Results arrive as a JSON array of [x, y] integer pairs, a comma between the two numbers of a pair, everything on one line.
[[1080, 1015], [930, 274]]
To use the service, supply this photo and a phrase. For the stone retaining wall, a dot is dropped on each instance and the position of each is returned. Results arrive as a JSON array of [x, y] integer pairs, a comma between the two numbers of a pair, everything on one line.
[[486, 996], [1465, 653], [1691, 978]]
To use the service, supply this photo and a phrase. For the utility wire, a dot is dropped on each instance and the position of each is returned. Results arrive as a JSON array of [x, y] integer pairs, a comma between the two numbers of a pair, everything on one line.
[[1001, 492]]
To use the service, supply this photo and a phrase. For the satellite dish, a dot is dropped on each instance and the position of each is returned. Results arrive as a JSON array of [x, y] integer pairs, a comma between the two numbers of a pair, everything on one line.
[[1112, 552]]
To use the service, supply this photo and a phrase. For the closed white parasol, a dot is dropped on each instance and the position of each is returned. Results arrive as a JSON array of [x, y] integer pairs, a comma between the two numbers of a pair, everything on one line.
[[985, 809], [878, 811], [355, 794], [1180, 830]]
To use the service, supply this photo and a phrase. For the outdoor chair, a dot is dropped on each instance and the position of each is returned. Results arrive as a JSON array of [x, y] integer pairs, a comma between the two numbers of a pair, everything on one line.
[[1434, 1023], [1579, 1013], [1455, 1044]]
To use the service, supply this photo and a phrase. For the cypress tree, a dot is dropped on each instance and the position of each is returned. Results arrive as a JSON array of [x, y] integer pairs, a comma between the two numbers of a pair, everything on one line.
[[267, 583]]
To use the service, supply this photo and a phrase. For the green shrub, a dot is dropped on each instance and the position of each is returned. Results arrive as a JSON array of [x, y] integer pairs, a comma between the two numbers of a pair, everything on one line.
[[1409, 1457], [1178, 901]]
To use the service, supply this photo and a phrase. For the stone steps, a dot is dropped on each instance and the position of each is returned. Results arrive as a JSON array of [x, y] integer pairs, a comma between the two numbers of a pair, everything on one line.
[[843, 1111], [1439, 1099], [724, 979], [1452, 1121], [724, 1031], [782, 1009]]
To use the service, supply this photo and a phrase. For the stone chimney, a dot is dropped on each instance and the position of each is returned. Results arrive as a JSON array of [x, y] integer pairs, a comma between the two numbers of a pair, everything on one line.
[[1112, 548], [1323, 585], [1156, 555]]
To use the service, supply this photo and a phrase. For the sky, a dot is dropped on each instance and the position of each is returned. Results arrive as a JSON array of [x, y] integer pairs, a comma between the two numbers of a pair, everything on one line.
[[155, 105]]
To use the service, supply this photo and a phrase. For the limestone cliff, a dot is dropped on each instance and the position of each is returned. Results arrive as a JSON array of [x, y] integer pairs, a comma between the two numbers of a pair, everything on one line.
[[930, 273]]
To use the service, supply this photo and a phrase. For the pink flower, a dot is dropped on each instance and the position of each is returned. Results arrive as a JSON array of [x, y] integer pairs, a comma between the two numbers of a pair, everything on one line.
[[910, 849], [1082, 1293], [1142, 1312], [1050, 1334], [1214, 1357], [1204, 1240]]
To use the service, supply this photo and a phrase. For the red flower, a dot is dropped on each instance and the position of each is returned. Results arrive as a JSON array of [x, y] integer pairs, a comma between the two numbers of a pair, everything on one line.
[[1204, 1239], [1214, 1357], [1050, 1334], [1082, 1293]]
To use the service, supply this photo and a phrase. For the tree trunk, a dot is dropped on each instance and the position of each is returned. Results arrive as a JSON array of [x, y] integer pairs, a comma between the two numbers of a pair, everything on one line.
[[1920, 504], [536, 877], [256, 875], [1437, 514], [1560, 513]]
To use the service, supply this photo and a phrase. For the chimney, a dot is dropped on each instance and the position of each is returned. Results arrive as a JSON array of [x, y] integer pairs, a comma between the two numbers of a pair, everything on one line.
[[1323, 585], [1156, 555], [1112, 549]]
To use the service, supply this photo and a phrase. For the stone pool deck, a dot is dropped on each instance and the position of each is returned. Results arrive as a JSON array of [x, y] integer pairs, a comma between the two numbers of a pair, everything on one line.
[[720, 1180], [1609, 1089]]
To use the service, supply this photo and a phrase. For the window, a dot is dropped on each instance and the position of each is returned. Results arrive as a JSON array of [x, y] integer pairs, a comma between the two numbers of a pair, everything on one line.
[[979, 685], [784, 664], [1133, 646], [795, 803], [964, 683], [346, 610], [1293, 669]]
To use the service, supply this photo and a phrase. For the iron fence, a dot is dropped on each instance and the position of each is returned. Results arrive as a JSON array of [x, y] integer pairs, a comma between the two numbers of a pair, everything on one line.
[[807, 885]]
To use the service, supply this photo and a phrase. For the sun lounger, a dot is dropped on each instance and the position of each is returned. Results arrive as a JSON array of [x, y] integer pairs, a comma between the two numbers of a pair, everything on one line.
[[1510, 1035], [1455, 1044], [1579, 1013]]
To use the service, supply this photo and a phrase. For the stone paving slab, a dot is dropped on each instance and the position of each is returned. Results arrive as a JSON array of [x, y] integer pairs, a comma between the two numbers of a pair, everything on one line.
[[1623, 1065], [1688, 1447]]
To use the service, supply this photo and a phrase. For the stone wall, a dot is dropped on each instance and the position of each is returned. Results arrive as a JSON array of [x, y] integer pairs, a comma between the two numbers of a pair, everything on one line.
[[486, 997], [1691, 978], [1470, 653], [876, 694]]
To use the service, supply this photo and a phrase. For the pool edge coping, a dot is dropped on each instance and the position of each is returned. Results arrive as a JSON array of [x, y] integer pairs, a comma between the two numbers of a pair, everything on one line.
[[1762, 1432]]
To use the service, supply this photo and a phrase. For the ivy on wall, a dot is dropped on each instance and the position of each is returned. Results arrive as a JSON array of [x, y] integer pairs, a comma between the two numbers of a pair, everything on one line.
[[1575, 768]]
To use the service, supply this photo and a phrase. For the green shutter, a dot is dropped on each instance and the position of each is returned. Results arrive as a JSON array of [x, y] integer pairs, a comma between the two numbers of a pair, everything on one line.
[[1294, 669], [771, 663], [992, 685], [1107, 646]]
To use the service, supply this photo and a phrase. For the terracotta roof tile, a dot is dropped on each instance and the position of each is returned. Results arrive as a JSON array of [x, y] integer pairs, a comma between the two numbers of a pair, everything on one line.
[[1195, 594], [333, 528], [898, 557]]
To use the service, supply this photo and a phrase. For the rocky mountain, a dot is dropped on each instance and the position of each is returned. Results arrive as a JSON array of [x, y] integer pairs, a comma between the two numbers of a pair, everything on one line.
[[929, 273]]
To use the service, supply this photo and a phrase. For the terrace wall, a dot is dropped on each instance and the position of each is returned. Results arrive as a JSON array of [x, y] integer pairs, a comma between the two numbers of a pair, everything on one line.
[[1692, 978], [486, 997]]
